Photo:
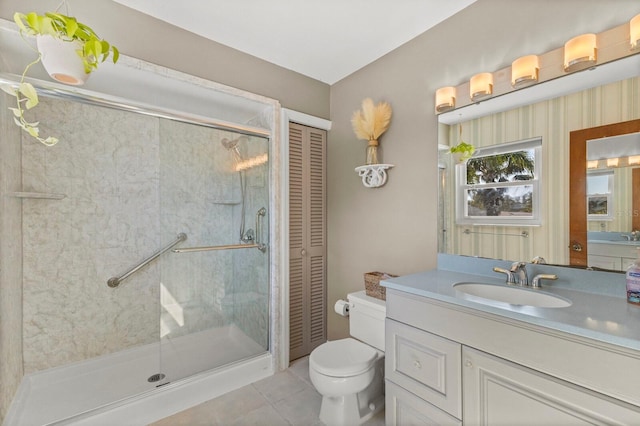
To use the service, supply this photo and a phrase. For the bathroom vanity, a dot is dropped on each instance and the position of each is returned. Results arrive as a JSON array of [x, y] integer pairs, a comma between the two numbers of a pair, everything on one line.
[[452, 358], [614, 255]]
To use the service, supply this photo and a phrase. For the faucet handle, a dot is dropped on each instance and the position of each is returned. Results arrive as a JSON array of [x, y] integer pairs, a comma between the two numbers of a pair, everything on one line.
[[536, 280], [511, 277]]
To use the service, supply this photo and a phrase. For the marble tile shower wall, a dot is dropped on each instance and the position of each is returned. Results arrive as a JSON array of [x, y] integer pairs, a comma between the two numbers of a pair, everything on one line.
[[248, 297], [132, 183], [196, 184]]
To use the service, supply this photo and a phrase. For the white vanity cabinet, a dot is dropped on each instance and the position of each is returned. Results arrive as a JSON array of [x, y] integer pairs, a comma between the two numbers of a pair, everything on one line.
[[449, 364], [616, 257], [499, 392]]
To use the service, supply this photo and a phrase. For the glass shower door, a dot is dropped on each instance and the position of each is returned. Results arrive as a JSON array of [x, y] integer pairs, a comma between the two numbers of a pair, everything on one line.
[[214, 298]]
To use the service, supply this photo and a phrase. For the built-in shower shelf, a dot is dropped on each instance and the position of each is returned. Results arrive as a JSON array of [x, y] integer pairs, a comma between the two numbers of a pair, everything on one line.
[[38, 195], [227, 202]]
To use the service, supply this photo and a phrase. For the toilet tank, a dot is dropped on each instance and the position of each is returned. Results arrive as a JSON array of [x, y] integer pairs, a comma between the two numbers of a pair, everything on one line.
[[366, 319]]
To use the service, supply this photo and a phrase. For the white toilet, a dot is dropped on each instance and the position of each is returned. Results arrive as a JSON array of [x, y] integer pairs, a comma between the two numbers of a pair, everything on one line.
[[349, 373]]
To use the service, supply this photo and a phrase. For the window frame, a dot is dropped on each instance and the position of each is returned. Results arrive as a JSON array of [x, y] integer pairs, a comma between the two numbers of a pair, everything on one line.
[[609, 195], [462, 214]]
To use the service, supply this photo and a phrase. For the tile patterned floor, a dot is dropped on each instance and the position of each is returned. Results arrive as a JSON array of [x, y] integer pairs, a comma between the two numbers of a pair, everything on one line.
[[287, 398]]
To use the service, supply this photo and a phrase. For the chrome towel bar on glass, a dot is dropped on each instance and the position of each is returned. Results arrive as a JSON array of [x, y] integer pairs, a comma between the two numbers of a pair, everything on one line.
[[210, 248], [258, 244], [115, 281]]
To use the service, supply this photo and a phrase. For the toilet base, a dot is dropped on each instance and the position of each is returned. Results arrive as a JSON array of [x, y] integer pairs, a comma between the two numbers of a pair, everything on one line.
[[346, 411], [355, 408]]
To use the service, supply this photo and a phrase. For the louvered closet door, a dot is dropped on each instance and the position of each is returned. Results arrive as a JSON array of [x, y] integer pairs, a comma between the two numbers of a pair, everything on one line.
[[307, 239]]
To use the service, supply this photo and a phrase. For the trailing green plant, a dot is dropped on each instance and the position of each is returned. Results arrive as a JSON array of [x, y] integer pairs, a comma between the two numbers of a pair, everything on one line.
[[93, 50], [464, 149]]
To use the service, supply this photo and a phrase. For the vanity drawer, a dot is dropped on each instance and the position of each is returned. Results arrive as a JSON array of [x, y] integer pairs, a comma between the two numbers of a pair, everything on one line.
[[424, 364], [404, 408]]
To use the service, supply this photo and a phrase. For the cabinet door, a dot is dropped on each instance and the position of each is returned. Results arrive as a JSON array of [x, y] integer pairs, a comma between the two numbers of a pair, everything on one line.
[[626, 262], [605, 262], [424, 364], [499, 392], [307, 239], [403, 408]]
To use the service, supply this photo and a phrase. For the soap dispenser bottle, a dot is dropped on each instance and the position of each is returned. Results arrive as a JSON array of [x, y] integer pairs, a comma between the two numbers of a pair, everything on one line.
[[633, 281]]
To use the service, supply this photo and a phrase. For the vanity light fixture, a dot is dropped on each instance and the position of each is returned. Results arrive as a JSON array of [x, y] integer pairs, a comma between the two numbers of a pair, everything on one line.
[[481, 86], [612, 162], [445, 99], [633, 160], [580, 53], [524, 71], [592, 164], [634, 32]]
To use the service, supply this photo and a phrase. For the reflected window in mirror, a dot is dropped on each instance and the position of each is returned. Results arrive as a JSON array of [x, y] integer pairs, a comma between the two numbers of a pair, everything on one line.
[[500, 185], [600, 188]]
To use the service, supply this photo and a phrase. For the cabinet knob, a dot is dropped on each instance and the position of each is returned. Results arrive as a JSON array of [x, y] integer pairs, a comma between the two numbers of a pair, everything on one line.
[[468, 363], [303, 252], [417, 364]]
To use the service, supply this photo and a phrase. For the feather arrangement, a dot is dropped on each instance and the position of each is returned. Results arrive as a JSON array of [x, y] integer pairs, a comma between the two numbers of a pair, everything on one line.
[[372, 121]]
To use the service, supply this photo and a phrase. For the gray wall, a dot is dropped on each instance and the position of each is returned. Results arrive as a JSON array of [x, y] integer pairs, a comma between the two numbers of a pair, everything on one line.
[[393, 228], [149, 39]]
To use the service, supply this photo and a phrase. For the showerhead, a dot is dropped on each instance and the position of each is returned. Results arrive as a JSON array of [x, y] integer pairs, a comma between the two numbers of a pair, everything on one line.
[[229, 144], [232, 145]]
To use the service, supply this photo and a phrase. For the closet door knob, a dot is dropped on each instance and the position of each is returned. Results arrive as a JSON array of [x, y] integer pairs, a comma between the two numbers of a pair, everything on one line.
[[303, 252]]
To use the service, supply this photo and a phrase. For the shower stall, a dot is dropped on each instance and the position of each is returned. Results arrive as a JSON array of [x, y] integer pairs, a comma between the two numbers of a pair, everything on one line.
[[136, 252]]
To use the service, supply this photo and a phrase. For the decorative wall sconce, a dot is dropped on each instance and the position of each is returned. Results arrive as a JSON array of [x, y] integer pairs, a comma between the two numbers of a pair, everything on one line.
[[373, 175], [580, 53], [445, 99], [524, 71], [481, 86], [634, 32]]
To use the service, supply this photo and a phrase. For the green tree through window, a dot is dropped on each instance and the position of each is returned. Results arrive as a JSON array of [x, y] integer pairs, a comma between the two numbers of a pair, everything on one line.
[[508, 167]]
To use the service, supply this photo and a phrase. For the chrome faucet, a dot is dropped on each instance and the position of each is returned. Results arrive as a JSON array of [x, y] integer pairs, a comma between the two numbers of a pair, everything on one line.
[[517, 275], [519, 270]]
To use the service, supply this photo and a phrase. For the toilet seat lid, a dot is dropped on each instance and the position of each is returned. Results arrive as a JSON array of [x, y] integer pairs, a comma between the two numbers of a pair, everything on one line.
[[342, 358]]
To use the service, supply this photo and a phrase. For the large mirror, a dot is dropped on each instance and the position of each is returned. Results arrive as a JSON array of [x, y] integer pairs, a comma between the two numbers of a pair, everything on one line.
[[553, 120]]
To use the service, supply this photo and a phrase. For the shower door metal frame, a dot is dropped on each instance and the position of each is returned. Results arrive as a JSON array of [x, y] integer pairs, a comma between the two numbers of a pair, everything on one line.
[[58, 91]]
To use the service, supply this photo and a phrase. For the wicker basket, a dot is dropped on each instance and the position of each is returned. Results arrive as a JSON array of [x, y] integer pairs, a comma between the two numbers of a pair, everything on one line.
[[372, 284]]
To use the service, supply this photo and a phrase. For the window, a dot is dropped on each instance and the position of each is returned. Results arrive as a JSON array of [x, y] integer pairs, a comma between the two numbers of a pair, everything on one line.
[[600, 195], [500, 185]]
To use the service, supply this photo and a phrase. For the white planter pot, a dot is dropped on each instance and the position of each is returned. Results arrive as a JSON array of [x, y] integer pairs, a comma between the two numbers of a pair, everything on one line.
[[61, 60]]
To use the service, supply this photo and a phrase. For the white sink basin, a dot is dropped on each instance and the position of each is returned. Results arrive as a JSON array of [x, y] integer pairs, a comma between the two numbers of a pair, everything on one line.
[[512, 295]]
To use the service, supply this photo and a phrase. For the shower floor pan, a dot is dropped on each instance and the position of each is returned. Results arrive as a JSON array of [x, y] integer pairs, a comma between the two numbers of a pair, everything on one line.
[[114, 389]]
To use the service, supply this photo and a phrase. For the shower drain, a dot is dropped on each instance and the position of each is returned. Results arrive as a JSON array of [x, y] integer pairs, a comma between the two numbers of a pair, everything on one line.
[[156, 378]]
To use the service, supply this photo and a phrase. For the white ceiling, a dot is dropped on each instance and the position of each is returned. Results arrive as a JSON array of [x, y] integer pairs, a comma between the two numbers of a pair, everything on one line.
[[323, 39]]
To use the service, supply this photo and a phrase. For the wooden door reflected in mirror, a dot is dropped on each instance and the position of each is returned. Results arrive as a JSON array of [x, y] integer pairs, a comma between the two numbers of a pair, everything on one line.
[[578, 185]]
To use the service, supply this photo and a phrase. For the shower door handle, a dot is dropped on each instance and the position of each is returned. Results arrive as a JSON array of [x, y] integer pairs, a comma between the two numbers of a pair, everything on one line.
[[261, 213]]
